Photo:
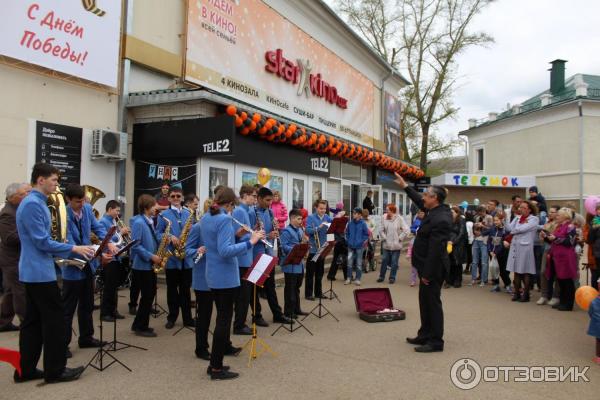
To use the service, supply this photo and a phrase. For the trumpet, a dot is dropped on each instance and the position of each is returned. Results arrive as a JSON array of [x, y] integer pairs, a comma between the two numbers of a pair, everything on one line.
[[124, 240], [248, 229]]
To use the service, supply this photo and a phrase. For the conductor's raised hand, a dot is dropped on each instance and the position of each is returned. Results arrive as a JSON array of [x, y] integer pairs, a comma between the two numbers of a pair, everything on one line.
[[400, 181]]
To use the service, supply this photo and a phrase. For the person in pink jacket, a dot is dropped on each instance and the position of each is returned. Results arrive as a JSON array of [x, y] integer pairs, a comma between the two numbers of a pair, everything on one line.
[[279, 209]]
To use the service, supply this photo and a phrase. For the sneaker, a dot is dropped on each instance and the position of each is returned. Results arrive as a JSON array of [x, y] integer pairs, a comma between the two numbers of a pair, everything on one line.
[[379, 280], [357, 282], [542, 301], [347, 282], [554, 301], [412, 284], [508, 290], [482, 284], [473, 283], [496, 288]]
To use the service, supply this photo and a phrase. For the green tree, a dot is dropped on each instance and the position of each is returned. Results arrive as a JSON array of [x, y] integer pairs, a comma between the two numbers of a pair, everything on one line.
[[421, 38]]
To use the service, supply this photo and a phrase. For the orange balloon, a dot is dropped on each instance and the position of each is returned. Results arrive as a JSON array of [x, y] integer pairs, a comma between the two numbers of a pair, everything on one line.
[[231, 110], [256, 117], [245, 131], [238, 122], [252, 126], [243, 115], [584, 296]]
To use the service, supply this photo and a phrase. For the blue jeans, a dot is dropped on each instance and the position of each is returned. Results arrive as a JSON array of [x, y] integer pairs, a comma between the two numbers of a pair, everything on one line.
[[390, 258], [355, 255], [480, 252]]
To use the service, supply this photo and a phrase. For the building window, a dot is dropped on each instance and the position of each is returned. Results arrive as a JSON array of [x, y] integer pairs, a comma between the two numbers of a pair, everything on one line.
[[351, 171], [335, 168], [480, 160]]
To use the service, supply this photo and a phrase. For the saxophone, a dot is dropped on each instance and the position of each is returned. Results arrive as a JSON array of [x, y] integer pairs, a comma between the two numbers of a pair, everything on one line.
[[162, 251], [179, 251]]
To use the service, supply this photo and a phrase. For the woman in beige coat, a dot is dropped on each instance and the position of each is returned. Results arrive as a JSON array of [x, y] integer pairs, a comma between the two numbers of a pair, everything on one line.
[[392, 232]]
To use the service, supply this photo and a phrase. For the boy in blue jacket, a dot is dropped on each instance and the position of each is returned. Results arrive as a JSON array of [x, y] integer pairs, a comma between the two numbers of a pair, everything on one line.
[[292, 235], [357, 235], [78, 285]]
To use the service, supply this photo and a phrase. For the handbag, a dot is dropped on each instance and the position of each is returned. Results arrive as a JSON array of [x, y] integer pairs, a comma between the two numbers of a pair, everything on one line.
[[494, 268]]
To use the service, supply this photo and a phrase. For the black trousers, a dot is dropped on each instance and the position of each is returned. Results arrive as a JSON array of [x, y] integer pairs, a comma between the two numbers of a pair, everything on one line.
[[112, 276], [340, 258], [43, 327], [314, 277], [134, 291], [146, 281], [179, 282], [223, 299], [567, 292], [242, 301], [204, 307], [596, 274], [455, 272], [269, 288], [291, 293], [432, 314], [504, 274], [79, 295]]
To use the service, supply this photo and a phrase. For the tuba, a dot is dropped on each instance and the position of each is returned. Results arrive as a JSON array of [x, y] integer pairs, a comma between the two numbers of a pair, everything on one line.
[[58, 227], [58, 215], [92, 195]]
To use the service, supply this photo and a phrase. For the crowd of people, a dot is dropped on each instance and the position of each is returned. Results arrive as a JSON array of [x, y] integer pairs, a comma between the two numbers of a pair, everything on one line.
[[209, 251]]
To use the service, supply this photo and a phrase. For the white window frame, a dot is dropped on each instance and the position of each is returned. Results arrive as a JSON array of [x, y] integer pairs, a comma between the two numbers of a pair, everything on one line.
[[476, 149]]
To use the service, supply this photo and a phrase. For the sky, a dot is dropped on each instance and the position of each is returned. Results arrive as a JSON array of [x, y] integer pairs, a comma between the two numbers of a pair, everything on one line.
[[528, 35]]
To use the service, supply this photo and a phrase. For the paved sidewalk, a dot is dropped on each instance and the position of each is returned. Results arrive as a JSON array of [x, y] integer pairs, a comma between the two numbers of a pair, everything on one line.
[[347, 360]]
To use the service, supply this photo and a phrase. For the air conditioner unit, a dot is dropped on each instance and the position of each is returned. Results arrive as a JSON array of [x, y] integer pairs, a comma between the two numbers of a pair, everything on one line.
[[109, 145]]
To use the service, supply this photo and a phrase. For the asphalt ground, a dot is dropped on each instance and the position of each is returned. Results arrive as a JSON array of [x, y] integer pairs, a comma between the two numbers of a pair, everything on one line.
[[349, 359]]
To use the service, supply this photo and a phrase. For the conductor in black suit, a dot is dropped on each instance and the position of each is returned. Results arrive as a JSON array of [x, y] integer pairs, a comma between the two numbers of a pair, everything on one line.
[[430, 258]]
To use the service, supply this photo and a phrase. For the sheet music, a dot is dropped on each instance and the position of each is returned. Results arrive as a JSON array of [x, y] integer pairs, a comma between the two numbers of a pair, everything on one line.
[[260, 268], [318, 253]]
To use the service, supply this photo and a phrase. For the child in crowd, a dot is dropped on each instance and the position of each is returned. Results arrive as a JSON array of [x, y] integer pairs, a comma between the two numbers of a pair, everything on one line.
[[357, 235], [594, 328], [292, 235], [413, 229], [496, 236]]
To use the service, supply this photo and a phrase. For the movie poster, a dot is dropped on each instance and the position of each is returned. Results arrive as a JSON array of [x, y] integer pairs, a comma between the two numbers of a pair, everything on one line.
[[391, 127]]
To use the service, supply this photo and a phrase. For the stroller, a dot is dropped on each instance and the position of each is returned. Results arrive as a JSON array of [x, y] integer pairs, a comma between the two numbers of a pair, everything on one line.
[[369, 262]]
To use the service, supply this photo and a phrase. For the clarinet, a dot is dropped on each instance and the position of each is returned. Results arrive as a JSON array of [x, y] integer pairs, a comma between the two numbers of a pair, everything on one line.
[[260, 226]]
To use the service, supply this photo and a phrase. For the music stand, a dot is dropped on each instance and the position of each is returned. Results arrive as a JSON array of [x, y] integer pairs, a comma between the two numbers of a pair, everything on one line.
[[257, 274], [97, 361], [338, 226], [321, 254], [157, 310], [295, 257]]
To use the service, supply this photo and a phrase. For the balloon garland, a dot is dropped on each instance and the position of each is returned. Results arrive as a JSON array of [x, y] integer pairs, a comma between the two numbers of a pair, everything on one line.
[[275, 131]]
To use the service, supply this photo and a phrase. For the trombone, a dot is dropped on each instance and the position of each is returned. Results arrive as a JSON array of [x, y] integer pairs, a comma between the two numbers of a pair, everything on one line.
[[248, 229]]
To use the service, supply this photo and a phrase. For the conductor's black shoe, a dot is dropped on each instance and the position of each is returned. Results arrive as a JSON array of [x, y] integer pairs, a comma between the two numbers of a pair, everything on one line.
[[310, 298], [564, 307], [118, 316], [107, 318], [244, 331], [93, 342], [169, 324], [37, 374], [10, 327], [222, 374], [301, 312], [416, 340], [233, 351], [132, 310], [427, 348], [68, 353], [203, 355], [379, 280], [260, 321], [321, 296], [209, 368], [282, 319], [69, 374]]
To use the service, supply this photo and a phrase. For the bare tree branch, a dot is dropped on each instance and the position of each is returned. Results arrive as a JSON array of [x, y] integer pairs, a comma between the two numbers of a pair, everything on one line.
[[423, 38]]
